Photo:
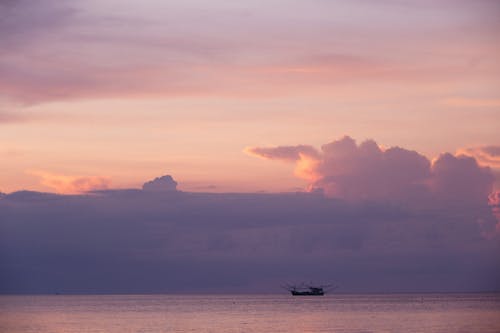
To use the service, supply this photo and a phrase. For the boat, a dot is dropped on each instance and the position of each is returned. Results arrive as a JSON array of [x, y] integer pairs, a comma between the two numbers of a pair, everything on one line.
[[313, 291], [308, 289]]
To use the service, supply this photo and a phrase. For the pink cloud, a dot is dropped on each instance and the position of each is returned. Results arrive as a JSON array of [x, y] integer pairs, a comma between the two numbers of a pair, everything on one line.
[[472, 102], [286, 153], [8, 117], [65, 184], [21, 116], [367, 172], [264, 54], [485, 155], [346, 170], [306, 158]]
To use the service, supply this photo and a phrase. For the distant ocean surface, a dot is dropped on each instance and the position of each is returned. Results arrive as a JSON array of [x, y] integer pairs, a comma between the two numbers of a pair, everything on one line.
[[251, 313]]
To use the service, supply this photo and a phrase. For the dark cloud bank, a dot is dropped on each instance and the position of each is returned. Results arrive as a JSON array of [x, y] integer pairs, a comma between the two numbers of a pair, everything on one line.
[[439, 237]]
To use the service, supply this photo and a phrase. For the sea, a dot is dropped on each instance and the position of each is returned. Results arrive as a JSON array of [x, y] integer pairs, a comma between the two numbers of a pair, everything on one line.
[[250, 313]]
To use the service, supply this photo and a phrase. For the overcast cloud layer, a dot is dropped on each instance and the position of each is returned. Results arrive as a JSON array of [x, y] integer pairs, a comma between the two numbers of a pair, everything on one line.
[[375, 221]]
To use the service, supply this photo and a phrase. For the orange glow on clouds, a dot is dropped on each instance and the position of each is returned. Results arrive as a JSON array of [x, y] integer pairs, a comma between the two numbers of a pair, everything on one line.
[[64, 184], [306, 168], [306, 159], [485, 156]]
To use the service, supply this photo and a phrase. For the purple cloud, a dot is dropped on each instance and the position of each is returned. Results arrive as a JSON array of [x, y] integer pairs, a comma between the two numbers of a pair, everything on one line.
[[461, 179], [368, 173], [171, 241], [494, 202], [160, 184], [350, 171]]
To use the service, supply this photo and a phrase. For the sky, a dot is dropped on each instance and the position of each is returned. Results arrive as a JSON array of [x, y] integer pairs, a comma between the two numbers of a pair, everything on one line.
[[240, 137], [129, 91]]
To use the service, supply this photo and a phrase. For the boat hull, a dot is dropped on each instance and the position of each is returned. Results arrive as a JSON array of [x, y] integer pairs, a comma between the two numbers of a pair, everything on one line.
[[306, 293]]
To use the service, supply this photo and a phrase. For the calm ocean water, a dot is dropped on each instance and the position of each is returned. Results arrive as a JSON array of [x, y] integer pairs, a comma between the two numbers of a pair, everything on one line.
[[251, 313]]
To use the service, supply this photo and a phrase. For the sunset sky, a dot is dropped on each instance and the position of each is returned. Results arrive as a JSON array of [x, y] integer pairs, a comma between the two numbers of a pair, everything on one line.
[[118, 92]]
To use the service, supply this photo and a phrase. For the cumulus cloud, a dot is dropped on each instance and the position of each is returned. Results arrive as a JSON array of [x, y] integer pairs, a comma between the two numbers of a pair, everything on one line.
[[366, 171], [160, 184], [485, 155], [72, 184], [304, 156], [461, 179], [347, 170], [488, 156], [494, 202], [355, 172]]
